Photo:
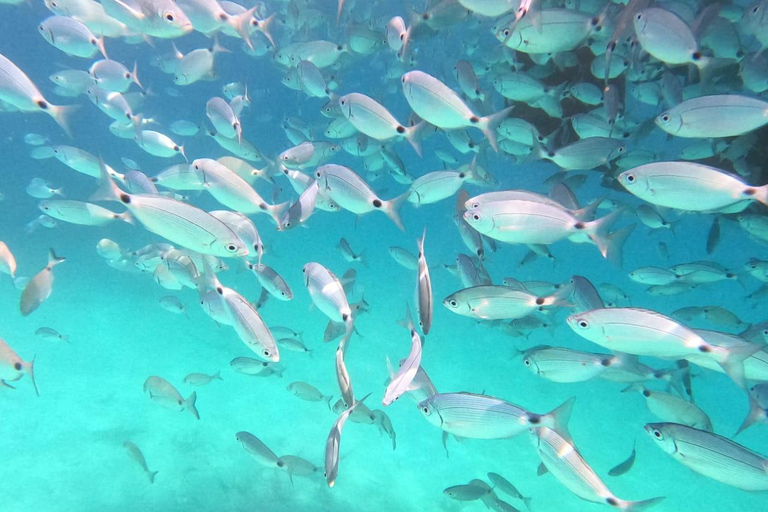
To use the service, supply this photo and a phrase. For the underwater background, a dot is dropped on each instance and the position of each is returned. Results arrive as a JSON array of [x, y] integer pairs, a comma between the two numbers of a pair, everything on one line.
[[64, 450]]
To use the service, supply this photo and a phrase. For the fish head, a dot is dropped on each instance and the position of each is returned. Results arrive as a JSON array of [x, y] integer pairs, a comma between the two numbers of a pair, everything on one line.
[[634, 182], [452, 302], [231, 247], [479, 219], [430, 412], [530, 363], [174, 22], [583, 325], [669, 122], [659, 433]]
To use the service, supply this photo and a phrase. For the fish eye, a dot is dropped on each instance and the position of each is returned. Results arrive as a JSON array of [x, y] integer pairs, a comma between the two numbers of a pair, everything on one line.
[[265, 352], [342, 102], [657, 434], [665, 118], [476, 216], [17, 366], [527, 362], [639, 16], [231, 248], [453, 303], [317, 174], [630, 178], [583, 324], [505, 32], [425, 409], [169, 16]]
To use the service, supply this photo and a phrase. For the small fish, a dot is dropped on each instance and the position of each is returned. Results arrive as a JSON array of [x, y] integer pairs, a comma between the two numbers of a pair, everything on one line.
[[349, 254], [40, 286], [424, 299], [333, 444], [465, 492], [162, 392], [135, 453], [309, 393], [505, 486], [172, 304], [403, 379], [201, 379], [404, 257], [257, 449], [625, 466], [256, 368], [51, 334]]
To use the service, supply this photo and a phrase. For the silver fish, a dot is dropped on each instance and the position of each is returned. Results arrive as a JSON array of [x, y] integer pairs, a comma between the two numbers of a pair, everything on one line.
[[40, 286]]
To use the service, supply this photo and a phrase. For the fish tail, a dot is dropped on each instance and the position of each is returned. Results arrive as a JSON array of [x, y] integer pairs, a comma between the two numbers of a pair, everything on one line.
[[560, 417], [406, 321], [263, 26], [488, 125], [733, 362], [242, 25], [278, 210], [108, 190], [756, 413], [126, 217], [189, 404], [633, 387], [413, 136], [102, 48], [637, 506], [392, 209], [217, 375], [587, 213], [135, 75], [61, 114], [760, 194], [54, 260], [616, 242], [151, 475], [328, 399], [598, 231], [526, 502], [30, 369]]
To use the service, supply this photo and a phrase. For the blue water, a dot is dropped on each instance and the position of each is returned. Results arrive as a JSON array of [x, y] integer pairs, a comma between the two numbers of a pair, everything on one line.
[[64, 450]]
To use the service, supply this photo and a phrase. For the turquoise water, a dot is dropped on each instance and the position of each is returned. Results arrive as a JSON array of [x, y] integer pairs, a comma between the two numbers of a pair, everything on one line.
[[64, 450]]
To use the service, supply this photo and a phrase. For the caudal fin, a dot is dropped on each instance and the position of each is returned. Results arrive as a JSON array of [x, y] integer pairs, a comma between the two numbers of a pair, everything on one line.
[[638, 506], [488, 125], [733, 363], [61, 114], [242, 25], [413, 136], [599, 232], [151, 475], [107, 190], [756, 413], [760, 194], [392, 209], [30, 368], [560, 417], [189, 404]]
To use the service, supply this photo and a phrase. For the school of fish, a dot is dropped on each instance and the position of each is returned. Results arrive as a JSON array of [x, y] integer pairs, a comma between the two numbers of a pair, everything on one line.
[[663, 103]]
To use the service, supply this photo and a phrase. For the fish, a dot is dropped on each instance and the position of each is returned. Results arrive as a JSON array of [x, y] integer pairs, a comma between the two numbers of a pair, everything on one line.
[[175, 220], [40, 287], [439, 105], [201, 379], [424, 300], [624, 467], [486, 417], [333, 444], [403, 379], [720, 115], [671, 408], [309, 393], [568, 466], [257, 449], [13, 367], [560, 364], [327, 293], [18, 90], [51, 334], [256, 368], [375, 121], [493, 302], [711, 455], [163, 393], [135, 453], [343, 186], [691, 186], [465, 492], [505, 486]]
